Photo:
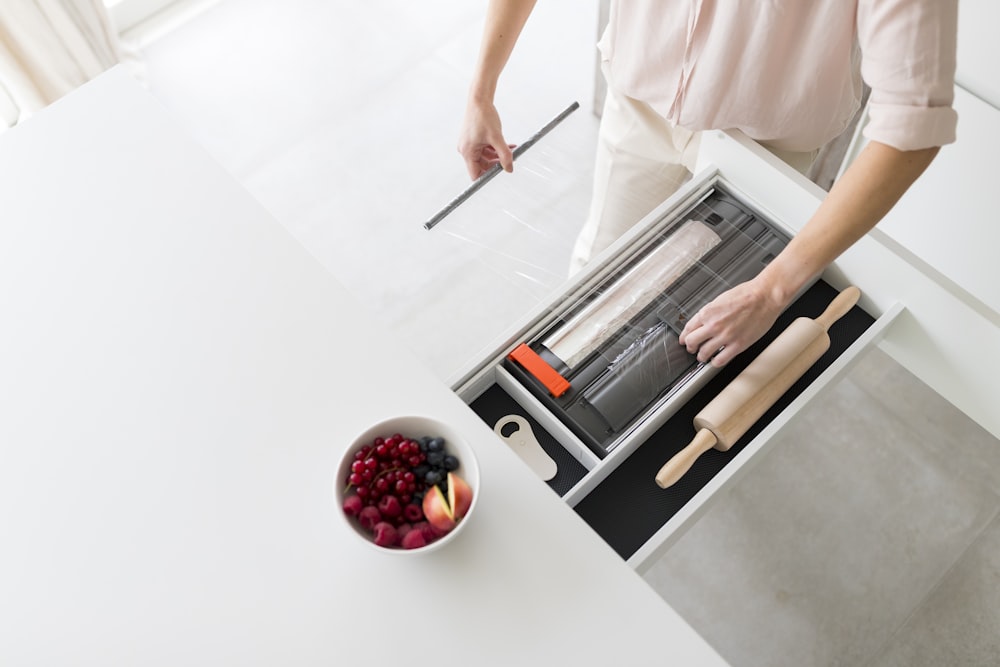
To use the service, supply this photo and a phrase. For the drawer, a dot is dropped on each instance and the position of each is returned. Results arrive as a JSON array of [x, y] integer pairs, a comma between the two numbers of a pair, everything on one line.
[[609, 432]]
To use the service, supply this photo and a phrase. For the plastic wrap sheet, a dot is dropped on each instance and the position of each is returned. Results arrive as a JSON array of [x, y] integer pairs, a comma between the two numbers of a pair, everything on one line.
[[501, 252]]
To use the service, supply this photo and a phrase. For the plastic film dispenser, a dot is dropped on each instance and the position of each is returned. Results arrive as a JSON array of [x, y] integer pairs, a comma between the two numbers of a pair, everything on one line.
[[611, 358]]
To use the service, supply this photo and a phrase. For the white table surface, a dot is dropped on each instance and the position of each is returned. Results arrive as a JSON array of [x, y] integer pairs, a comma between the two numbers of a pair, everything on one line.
[[178, 378]]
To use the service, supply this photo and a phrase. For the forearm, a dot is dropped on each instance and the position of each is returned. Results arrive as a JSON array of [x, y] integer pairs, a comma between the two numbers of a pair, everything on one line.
[[868, 189], [504, 22]]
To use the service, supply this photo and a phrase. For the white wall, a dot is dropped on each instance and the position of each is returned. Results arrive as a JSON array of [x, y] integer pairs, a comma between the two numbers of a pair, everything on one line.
[[979, 49]]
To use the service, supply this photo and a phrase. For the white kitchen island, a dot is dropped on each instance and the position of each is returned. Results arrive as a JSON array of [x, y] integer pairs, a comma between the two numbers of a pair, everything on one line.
[[178, 378]]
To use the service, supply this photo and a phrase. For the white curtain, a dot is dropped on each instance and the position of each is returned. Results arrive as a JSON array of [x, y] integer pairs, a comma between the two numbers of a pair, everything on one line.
[[48, 48]]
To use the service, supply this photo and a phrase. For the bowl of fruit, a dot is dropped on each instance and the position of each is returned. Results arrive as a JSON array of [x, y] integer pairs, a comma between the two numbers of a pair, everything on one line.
[[407, 484]]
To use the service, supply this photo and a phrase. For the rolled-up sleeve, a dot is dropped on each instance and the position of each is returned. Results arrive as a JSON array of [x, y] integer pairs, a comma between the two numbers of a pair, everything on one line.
[[908, 59]]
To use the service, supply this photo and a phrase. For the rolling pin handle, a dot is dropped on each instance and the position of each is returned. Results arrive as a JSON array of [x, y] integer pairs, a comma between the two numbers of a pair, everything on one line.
[[682, 461], [839, 307]]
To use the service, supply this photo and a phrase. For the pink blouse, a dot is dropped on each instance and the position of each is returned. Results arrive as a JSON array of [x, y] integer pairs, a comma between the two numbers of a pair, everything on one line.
[[789, 71]]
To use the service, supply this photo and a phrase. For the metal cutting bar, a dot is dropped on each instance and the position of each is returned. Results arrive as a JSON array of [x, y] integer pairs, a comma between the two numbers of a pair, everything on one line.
[[496, 169]]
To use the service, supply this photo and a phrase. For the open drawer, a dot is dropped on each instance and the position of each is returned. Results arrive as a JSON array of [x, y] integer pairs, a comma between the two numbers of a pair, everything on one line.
[[615, 395]]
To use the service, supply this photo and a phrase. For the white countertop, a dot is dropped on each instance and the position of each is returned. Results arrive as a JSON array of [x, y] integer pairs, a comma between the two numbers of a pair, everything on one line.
[[178, 378]]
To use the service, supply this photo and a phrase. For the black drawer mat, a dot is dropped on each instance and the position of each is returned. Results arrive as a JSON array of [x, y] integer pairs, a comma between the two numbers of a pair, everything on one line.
[[495, 403], [627, 508]]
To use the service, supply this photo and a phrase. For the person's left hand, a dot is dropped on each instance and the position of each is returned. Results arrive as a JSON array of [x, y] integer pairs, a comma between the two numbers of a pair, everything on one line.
[[730, 323]]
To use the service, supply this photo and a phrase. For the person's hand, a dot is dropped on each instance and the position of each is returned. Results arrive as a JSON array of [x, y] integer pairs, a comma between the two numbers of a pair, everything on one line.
[[481, 141], [730, 323]]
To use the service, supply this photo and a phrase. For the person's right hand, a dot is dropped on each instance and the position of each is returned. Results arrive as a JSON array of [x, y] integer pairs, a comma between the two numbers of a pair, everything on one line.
[[481, 141]]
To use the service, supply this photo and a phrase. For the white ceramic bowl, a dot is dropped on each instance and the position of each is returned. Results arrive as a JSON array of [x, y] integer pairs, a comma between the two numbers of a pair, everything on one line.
[[412, 427]]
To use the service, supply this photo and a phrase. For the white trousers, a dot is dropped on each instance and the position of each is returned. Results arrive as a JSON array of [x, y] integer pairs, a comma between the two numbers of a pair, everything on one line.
[[641, 160]]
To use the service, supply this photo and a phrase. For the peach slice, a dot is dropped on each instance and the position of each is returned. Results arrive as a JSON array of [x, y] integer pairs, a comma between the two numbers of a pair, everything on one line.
[[437, 510], [443, 513], [459, 496]]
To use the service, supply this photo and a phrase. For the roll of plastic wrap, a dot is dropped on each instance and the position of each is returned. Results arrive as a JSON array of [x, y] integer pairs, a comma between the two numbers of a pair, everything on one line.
[[603, 317]]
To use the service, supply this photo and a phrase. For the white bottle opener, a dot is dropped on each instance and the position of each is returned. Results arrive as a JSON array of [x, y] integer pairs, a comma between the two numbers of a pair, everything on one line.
[[527, 447]]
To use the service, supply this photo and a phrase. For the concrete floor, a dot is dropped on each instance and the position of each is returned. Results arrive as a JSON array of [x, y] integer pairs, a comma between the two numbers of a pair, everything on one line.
[[868, 536]]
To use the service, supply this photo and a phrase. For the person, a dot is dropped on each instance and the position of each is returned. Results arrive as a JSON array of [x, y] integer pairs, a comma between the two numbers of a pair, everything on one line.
[[788, 74]]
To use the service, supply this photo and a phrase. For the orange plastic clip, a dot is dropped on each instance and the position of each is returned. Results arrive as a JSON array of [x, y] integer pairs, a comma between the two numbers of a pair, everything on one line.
[[534, 364]]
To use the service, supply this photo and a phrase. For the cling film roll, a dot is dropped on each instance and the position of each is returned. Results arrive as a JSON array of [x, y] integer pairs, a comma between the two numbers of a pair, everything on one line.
[[604, 317]]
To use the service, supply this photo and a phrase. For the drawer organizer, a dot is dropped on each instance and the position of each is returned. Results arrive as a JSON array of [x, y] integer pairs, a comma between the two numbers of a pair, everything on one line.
[[607, 390], [615, 352]]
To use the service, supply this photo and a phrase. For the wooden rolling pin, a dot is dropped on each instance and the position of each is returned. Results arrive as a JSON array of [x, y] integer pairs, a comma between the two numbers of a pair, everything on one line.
[[737, 407]]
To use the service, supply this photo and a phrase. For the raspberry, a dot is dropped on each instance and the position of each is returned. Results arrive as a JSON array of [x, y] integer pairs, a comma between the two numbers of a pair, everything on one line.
[[413, 513], [389, 506], [414, 539], [353, 505], [369, 516], [386, 535], [427, 530]]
